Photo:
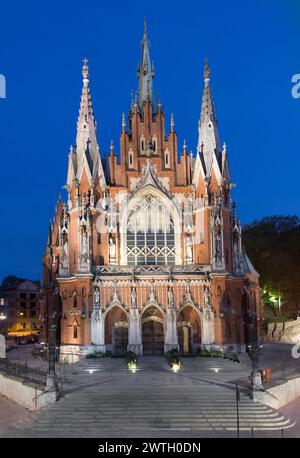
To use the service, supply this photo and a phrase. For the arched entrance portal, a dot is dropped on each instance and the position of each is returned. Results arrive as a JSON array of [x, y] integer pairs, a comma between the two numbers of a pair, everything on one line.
[[116, 331], [152, 331], [189, 330]]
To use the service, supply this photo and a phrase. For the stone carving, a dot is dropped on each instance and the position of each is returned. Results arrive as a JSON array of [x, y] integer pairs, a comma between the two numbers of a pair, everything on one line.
[[115, 298], [84, 245], [96, 296], [188, 294], [133, 297], [216, 223], [189, 249], [170, 297], [152, 293], [206, 296], [112, 250], [236, 245]]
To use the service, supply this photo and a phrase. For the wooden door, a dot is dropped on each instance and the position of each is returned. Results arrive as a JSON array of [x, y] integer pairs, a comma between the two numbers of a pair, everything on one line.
[[120, 340], [153, 337]]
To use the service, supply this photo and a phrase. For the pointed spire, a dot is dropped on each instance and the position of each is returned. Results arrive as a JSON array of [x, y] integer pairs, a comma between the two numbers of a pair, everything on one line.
[[123, 121], [172, 122], [86, 124], [145, 73], [184, 146], [112, 148], [208, 141], [87, 149]]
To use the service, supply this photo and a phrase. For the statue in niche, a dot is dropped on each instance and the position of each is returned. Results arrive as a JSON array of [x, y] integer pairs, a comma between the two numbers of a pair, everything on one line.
[[152, 293], [189, 250], [133, 297], [96, 296], [206, 294], [112, 249], [218, 241], [84, 250], [170, 297], [64, 247]]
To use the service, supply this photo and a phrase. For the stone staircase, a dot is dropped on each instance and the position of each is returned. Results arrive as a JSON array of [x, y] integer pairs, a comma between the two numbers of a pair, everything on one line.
[[104, 398]]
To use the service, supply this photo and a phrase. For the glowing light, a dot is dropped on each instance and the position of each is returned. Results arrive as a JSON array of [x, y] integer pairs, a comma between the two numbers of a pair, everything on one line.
[[91, 371], [175, 367], [132, 366]]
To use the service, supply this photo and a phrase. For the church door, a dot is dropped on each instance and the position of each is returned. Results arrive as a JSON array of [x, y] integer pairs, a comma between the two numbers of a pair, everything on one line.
[[120, 340], [184, 339], [153, 337]]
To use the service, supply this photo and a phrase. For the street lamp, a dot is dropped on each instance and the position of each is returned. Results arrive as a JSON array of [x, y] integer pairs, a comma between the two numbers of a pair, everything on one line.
[[2, 321], [253, 351], [52, 349]]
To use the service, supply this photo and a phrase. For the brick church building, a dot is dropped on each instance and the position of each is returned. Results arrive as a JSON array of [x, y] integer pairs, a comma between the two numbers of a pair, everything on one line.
[[146, 253]]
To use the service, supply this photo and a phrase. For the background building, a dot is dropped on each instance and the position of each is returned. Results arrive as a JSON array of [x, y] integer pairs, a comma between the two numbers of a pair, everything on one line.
[[22, 307], [146, 254]]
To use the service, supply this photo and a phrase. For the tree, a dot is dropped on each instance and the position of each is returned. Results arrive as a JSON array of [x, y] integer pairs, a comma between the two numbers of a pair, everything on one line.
[[273, 245]]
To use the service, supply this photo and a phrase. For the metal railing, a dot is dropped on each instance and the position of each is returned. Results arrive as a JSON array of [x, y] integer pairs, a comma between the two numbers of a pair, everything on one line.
[[24, 372]]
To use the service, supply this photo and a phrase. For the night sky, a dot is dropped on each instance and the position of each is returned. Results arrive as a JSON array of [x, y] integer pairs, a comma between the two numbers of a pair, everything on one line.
[[253, 48]]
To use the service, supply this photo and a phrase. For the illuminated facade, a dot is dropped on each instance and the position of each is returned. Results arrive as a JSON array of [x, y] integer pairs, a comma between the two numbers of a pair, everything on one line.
[[146, 253]]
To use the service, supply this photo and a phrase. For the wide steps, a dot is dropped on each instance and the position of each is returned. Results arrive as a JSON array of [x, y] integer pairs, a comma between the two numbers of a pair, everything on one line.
[[104, 396]]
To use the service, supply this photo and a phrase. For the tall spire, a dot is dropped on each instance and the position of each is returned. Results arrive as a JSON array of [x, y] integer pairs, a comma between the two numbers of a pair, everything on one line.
[[145, 73], [86, 139], [87, 153], [208, 141]]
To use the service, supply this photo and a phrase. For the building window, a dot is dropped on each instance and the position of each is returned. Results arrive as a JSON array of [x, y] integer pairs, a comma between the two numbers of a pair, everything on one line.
[[23, 295], [99, 238], [154, 144], [150, 234], [167, 159], [130, 159], [75, 332], [142, 144], [32, 295], [32, 313]]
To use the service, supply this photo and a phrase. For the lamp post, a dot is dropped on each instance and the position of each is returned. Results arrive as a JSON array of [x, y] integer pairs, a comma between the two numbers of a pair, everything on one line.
[[2, 322], [253, 350], [51, 349]]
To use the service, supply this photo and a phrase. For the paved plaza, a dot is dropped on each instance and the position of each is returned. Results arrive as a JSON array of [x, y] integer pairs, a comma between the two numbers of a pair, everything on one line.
[[102, 398]]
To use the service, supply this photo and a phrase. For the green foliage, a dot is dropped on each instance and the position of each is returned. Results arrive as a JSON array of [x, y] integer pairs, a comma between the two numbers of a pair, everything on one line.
[[273, 245], [173, 357], [96, 354], [211, 354], [10, 281], [228, 354], [131, 357]]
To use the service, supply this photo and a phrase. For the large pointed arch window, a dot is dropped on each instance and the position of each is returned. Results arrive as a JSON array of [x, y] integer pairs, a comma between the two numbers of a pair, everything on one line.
[[150, 233]]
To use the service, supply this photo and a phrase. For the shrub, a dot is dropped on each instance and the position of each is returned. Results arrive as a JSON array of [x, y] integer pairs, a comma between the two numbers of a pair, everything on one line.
[[173, 357], [131, 357], [210, 354], [96, 354]]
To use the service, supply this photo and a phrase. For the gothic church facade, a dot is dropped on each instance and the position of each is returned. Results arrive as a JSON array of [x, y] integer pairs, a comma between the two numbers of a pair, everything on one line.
[[146, 253]]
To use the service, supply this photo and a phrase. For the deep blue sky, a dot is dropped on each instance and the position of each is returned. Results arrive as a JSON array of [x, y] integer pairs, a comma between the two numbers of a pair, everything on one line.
[[253, 48]]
